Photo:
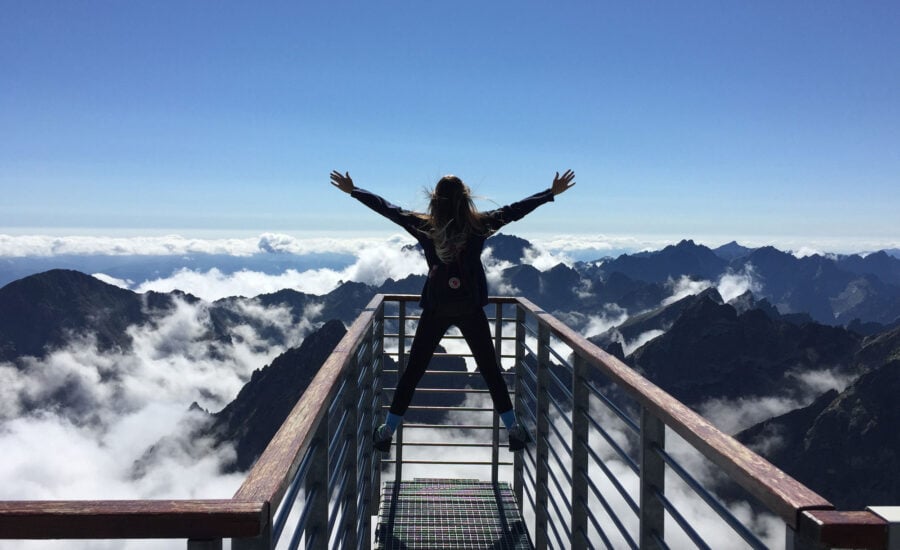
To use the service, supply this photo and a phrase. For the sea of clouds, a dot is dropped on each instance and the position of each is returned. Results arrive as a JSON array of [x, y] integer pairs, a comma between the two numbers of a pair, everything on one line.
[[120, 405]]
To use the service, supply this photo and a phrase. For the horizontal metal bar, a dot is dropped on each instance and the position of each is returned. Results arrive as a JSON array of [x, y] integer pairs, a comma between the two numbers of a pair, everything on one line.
[[338, 464], [560, 384], [552, 525], [526, 368], [558, 484], [334, 509], [709, 499], [300, 526], [679, 519], [660, 543], [600, 531], [562, 466], [441, 390], [448, 408], [562, 360], [563, 413], [457, 372], [614, 479], [291, 496], [630, 422], [609, 511], [450, 462], [445, 444], [449, 426], [615, 446]]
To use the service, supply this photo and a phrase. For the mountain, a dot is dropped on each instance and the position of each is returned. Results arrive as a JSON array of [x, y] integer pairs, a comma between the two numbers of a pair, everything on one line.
[[819, 286], [845, 445], [41, 312], [661, 318], [508, 248], [879, 264], [261, 406], [732, 251], [713, 352], [673, 261]]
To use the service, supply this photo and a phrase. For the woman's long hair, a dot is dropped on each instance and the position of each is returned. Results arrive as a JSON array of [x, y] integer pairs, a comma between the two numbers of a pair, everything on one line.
[[452, 217]]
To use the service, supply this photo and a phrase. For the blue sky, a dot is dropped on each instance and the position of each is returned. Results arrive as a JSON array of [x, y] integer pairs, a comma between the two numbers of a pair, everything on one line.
[[687, 119]]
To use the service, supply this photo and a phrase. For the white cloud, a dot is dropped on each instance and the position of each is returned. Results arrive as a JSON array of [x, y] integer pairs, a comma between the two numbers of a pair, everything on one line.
[[684, 286], [373, 266], [801, 388], [177, 245], [629, 347], [93, 414], [493, 270], [543, 258], [611, 316], [731, 285]]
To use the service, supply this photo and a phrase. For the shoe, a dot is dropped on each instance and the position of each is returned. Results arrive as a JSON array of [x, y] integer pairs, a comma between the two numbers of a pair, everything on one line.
[[519, 438], [381, 438]]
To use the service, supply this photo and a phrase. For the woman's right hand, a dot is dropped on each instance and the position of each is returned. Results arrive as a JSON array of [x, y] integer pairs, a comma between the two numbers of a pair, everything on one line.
[[342, 181], [563, 183]]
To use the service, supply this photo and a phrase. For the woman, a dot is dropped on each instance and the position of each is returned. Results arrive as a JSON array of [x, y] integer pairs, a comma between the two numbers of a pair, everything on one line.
[[452, 235]]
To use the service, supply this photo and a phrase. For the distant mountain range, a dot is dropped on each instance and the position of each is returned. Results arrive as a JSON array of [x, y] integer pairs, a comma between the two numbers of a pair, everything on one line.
[[835, 314]]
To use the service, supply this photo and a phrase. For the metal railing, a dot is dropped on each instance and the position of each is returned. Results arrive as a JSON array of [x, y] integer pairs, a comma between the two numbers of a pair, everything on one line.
[[617, 462]]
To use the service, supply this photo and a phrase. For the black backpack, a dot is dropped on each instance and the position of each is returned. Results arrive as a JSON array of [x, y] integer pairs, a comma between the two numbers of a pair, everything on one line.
[[452, 288]]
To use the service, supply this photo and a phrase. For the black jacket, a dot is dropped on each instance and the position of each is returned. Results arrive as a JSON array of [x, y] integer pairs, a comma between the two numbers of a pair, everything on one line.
[[417, 227]]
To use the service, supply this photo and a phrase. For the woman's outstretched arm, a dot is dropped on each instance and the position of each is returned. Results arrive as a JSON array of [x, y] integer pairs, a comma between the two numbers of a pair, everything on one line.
[[344, 182], [495, 219], [564, 183], [404, 218]]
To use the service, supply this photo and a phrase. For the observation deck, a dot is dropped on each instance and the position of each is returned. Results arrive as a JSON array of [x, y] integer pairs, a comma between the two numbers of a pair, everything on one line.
[[616, 462]]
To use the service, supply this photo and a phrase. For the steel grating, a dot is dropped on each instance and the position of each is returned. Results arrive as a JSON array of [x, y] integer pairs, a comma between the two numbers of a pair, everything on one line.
[[449, 514]]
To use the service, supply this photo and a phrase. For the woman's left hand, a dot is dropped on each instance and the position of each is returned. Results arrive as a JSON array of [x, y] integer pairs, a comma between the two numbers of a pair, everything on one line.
[[563, 183], [342, 181]]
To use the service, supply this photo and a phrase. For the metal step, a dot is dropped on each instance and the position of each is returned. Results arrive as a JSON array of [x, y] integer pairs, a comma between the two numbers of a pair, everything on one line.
[[450, 514]]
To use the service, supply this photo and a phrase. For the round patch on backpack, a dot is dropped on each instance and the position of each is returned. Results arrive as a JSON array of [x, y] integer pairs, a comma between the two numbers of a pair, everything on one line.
[[454, 283]]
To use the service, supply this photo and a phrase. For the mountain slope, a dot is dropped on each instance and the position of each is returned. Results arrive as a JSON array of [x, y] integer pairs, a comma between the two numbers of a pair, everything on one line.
[[849, 450], [261, 406], [713, 352], [42, 311]]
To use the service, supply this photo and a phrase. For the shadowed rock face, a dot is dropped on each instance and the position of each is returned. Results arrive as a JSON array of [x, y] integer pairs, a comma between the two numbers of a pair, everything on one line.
[[40, 312], [845, 446], [711, 351], [264, 402]]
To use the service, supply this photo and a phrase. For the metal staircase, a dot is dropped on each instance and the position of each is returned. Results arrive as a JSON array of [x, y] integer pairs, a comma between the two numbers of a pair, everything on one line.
[[617, 463]]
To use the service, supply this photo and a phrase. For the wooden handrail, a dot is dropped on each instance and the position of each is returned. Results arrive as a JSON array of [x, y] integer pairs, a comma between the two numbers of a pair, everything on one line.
[[269, 478], [837, 529], [114, 519], [781, 493]]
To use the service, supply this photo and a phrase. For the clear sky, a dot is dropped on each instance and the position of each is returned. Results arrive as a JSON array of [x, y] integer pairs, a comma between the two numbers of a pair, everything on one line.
[[680, 118]]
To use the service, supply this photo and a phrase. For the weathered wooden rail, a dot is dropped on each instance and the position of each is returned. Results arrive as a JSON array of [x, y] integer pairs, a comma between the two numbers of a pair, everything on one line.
[[317, 483]]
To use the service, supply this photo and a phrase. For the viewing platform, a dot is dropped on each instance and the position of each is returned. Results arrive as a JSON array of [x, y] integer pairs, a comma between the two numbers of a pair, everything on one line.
[[616, 463]]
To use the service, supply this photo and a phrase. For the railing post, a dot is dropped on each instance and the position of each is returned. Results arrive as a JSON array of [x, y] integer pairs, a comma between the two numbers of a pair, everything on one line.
[[542, 494], [351, 435], [495, 431], [206, 544], [261, 542], [794, 540], [317, 486], [401, 366], [653, 476], [580, 427], [373, 381], [518, 476]]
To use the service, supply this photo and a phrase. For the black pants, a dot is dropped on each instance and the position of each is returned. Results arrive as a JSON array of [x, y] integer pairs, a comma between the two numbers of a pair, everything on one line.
[[477, 333]]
